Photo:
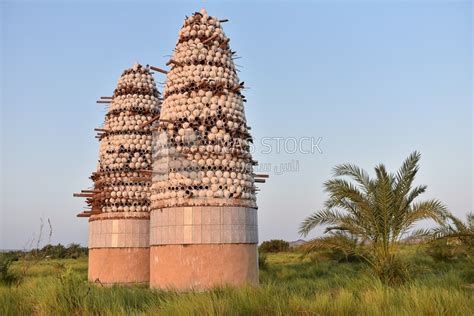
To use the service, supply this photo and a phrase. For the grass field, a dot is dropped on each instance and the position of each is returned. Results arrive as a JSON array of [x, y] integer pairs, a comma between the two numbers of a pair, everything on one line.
[[289, 286]]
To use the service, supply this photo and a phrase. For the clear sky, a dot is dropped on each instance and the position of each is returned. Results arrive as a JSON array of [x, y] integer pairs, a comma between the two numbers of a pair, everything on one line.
[[375, 80]]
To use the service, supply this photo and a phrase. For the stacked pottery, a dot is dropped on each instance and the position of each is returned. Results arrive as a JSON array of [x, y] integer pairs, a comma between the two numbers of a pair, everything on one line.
[[203, 221], [125, 148], [202, 145], [120, 220]]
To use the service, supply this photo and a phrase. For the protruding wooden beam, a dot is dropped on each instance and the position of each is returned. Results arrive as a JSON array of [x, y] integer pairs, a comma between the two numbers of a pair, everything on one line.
[[87, 195], [158, 69], [145, 171], [261, 175], [84, 214], [103, 101], [91, 191], [224, 43], [106, 98], [224, 20], [213, 37], [259, 180], [100, 130], [172, 61], [156, 117], [236, 88]]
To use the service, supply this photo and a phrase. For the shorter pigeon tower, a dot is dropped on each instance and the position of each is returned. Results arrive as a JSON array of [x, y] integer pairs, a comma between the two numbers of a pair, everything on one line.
[[120, 198]]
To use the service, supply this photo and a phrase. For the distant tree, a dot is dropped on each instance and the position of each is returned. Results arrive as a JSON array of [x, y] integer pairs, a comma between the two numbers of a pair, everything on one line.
[[72, 251], [274, 245], [374, 212], [54, 251]]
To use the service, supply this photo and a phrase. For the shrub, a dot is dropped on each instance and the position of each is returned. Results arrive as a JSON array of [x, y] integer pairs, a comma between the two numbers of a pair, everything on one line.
[[274, 245], [6, 276], [262, 261], [317, 256], [72, 251], [394, 271], [446, 250]]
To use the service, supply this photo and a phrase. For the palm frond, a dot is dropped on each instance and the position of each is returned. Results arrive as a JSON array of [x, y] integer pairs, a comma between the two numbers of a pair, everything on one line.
[[334, 241], [347, 196], [458, 224], [406, 174], [470, 221], [318, 218], [430, 209], [356, 173], [421, 233], [414, 193]]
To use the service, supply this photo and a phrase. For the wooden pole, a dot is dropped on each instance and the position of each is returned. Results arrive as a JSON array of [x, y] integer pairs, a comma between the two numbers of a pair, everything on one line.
[[259, 180], [224, 43], [210, 39], [156, 117], [103, 101], [172, 61], [107, 98], [261, 175], [158, 69], [145, 171], [91, 191], [87, 195]]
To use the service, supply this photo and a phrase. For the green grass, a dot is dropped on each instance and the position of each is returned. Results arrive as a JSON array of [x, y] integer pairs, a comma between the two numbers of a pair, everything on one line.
[[289, 286]]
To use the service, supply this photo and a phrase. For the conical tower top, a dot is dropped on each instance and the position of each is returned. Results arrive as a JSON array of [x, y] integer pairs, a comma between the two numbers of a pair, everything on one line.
[[203, 146]]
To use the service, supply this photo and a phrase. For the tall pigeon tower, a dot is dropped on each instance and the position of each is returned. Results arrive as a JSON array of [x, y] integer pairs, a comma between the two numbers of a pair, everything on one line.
[[120, 199], [203, 229]]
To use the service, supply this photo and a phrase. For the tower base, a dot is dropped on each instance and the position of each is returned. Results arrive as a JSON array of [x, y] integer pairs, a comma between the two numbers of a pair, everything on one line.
[[119, 265], [118, 248], [203, 266]]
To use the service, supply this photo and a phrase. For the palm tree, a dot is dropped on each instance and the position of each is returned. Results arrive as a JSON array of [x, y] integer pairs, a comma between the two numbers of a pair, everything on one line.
[[375, 212]]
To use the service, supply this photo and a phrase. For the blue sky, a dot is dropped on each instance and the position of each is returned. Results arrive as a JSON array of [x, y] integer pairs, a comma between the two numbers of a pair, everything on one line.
[[375, 80]]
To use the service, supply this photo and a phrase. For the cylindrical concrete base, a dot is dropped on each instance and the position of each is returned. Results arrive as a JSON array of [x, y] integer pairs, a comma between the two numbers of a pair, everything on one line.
[[118, 248], [202, 266], [119, 265]]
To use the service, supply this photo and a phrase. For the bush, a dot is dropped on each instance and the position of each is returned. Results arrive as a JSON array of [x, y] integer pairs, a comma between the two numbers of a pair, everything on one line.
[[337, 255], [72, 251], [274, 245], [394, 271], [446, 250], [262, 261], [6, 276]]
